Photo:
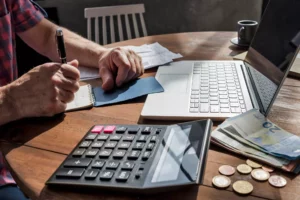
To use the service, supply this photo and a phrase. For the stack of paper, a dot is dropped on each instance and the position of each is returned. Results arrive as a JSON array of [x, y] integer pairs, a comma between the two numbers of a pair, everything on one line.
[[252, 135], [152, 55]]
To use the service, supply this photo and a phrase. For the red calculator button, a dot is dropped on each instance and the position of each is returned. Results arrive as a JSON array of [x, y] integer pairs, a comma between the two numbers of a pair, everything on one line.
[[109, 129], [97, 129]]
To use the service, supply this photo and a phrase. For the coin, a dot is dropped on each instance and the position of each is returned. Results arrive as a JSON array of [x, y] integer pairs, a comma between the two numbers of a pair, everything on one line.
[[260, 175], [244, 169], [253, 164], [221, 181], [268, 169], [242, 187], [277, 181], [226, 170]]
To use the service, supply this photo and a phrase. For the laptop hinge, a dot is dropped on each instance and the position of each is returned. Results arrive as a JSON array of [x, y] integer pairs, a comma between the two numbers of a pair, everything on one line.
[[257, 103]]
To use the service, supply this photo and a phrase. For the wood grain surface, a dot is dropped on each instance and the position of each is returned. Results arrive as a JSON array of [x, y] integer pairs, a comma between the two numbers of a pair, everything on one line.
[[35, 147]]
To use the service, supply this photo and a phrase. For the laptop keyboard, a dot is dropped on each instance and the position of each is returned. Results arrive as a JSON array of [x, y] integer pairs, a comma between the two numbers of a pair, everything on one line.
[[216, 89]]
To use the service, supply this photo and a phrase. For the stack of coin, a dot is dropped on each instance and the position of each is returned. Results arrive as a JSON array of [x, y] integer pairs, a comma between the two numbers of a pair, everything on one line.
[[259, 173]]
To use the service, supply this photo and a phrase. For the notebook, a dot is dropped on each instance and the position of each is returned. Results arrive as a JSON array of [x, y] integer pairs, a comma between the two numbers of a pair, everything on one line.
[[87, 96], [83, 98]]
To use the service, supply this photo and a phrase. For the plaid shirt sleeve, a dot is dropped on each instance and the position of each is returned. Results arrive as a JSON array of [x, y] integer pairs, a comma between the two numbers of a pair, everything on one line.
[[24, 15]]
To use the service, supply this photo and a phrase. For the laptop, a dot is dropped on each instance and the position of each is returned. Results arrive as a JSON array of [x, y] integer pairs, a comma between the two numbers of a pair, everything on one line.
[[222, 89]]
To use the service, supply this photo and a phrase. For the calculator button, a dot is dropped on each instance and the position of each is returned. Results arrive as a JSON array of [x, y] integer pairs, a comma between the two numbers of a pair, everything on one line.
[[142, 138], [124, 145], [91, 137], [146, 155], [112, 165], [138, 146], [150, 146], [106, 175], [91, 173], [78, 152], [102, 137], [78, 162], [123, 176], [128, 137], [109, 129], [134, 155], [97, 144], [119, 154], [85, 144], [121, 129], [97, 129], [91, 152], [153, 138], [105, 153], [98, 164], [115, 137], [147, 130], [110, 145], [133, 130], [69, 173], [127, 165]]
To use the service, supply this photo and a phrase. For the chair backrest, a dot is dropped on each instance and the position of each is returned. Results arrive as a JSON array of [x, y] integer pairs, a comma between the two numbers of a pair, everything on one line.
[[110, 12]]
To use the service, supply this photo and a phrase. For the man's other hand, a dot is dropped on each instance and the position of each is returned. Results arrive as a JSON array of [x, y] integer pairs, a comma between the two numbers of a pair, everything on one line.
[[45, 90], [118, 66]]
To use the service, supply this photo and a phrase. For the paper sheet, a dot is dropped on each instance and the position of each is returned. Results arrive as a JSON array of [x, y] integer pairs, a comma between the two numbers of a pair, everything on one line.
[[152, 55]]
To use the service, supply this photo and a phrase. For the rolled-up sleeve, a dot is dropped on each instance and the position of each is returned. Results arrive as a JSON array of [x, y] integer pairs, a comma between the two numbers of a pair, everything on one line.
[[24, 15]]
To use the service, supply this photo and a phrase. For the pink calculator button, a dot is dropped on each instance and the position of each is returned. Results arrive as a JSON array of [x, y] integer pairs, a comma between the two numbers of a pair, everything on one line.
[[109, 129], [97, 129]]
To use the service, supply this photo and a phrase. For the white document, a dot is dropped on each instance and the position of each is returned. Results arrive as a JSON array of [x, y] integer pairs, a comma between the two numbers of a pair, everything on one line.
[[152, 55]]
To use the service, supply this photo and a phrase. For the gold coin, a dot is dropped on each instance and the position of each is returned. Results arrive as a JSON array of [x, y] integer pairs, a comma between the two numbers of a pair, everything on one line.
[[260, 175], [226, 170], [242, 187], [244, 169], [268, 169], [277, 181], [253, 164], [221, 181]]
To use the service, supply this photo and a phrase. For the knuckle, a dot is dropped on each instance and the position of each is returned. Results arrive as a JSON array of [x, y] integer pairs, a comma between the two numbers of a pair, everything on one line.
[[117, 49]]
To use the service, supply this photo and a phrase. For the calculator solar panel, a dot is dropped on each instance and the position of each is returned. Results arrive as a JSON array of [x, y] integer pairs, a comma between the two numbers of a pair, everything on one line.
[[140, 158]]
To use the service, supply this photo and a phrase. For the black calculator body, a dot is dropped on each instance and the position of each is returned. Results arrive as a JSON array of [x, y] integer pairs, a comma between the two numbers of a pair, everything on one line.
[[137, 158]]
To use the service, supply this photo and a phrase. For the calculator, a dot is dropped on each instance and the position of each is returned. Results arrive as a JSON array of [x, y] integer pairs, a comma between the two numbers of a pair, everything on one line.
[[137, 158]]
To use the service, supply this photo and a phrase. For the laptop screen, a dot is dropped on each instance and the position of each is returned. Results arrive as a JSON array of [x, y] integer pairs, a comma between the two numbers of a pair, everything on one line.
[[273, 49]]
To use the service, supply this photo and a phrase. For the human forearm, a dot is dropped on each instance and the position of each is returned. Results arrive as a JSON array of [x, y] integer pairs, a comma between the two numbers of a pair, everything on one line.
[[8, 111], [42, 38], [77, 47]]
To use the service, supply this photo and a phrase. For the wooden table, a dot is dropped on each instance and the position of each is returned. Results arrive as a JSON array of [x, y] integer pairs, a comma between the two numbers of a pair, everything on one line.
[[34, 148]]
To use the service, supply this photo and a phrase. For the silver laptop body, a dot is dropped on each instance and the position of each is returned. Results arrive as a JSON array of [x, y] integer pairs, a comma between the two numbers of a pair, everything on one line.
[[221, 89]]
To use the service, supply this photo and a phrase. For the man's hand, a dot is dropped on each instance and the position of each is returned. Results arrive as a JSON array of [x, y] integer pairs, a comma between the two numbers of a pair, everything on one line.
[[119, 66], [44, 90]]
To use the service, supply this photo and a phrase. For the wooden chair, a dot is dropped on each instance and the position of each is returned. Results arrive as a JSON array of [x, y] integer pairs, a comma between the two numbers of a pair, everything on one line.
[[111, 11]]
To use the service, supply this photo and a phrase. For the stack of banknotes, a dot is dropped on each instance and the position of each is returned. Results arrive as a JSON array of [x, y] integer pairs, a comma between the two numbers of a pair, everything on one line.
[[254, 136]]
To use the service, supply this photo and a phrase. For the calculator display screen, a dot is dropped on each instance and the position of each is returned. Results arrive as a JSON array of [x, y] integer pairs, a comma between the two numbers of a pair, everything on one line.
[[174, 148]]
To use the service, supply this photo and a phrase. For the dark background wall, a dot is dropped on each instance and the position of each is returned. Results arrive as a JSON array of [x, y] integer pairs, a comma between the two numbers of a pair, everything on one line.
[[161, 17]]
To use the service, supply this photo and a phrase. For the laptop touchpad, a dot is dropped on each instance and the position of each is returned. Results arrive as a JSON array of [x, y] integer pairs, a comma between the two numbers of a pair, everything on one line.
[[174, 83]]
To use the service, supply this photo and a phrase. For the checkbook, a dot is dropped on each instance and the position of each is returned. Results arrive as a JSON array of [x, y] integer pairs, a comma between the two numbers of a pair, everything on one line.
[[87, 96]]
